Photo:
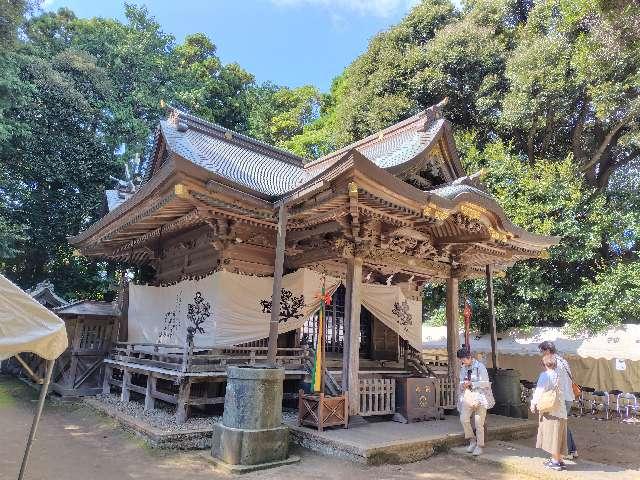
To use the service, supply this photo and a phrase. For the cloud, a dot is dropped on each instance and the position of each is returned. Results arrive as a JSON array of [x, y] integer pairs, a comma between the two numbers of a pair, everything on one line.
[[379, 8]]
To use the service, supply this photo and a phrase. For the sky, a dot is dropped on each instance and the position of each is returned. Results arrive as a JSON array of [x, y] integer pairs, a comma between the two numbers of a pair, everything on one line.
[[287, 42]]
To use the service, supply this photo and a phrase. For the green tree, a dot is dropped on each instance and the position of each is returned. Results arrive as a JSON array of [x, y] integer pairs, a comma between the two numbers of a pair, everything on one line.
[[210, 89], [278, 114]]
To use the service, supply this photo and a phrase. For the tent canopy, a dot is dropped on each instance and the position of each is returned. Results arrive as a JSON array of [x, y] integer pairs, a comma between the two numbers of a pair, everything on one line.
[[619, 342], [28, 326]]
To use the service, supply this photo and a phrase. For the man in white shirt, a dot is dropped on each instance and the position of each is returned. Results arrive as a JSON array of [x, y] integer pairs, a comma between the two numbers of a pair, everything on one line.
[[566, 383]]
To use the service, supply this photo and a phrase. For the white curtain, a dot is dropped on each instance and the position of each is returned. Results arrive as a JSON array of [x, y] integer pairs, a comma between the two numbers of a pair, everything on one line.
[[223, 309], [389, 305]]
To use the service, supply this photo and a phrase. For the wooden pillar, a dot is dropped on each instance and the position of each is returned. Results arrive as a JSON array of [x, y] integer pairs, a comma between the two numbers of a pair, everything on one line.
[[278, 270], [126, 380], [452, 327], [492, 318], [106, 381], [149, 401], [123, 325], [182, 404], [351, 343]]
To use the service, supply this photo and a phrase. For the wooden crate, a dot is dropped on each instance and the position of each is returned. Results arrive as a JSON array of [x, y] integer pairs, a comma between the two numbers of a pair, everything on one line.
[[321, 411]]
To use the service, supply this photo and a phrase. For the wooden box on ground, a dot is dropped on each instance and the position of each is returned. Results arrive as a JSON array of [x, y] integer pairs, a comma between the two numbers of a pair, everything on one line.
[[417, 398], [321, 411]]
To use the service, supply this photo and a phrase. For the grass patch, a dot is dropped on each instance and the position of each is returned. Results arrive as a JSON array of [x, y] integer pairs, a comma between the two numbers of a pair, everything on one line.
[[13, 391]]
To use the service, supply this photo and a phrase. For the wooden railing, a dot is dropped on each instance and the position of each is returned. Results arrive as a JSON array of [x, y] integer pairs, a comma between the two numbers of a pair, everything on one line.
[[377, 396], [189, 359], [448, 397]]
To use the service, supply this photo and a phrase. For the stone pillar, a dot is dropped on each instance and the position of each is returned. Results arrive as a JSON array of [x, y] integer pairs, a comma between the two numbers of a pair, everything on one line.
[[453, 327], [351, 342], [251, 435]]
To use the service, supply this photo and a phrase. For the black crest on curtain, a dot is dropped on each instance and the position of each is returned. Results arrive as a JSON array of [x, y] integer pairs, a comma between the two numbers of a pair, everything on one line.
[[401, 310], [197, 313], [290, 305]]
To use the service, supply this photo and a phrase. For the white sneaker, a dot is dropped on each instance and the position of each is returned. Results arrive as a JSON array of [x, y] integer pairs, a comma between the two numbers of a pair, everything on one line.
[[472, 446], [477, 451]]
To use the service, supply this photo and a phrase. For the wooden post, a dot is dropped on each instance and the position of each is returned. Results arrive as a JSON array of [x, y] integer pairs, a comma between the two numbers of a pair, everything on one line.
[[106, 385], [492, 318], [149, 401], [278, 270], [453, 337], [123, 326], [182, 405], [126, 380], [351, 350]]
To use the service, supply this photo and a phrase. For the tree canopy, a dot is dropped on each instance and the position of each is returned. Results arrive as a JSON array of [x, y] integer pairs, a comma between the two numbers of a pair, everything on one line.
[[543, 94]]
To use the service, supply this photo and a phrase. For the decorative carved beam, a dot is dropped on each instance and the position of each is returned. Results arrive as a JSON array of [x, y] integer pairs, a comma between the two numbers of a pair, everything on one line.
[[353, 210]]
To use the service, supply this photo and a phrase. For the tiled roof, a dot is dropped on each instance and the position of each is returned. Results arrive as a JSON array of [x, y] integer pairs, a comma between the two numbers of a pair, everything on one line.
[[400, 148], [274, 172], [244, 164], [88, 307]]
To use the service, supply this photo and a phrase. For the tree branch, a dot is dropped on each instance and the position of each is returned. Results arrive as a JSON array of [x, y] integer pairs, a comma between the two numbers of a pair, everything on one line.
[[576, 136], [604, 144]]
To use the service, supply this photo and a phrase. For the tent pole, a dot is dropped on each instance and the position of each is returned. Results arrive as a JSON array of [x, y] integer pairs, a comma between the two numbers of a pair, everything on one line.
[[36, 419]]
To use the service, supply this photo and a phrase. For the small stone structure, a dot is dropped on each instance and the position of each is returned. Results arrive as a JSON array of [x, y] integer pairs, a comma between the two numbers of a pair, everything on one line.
[[251, 435]]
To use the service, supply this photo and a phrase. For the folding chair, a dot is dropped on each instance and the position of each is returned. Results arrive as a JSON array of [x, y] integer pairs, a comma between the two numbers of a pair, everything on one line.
[[628, 403], [585, 400]]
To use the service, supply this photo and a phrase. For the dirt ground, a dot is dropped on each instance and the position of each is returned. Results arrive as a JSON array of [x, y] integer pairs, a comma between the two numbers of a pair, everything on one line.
[[610, 442], [74, 443]]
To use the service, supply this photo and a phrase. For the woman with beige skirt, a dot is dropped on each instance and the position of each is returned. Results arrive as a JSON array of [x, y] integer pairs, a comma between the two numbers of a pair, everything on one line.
[[552, 426]]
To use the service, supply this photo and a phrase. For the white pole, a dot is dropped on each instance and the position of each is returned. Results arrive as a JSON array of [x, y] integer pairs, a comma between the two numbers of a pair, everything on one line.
[[36, 419]]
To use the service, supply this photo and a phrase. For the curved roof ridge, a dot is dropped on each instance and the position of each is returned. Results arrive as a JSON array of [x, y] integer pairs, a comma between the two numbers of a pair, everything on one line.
[[211, 127], [423, 118]]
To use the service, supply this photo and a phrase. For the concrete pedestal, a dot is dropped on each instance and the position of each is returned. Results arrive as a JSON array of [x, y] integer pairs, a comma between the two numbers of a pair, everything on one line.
[[251, 435]]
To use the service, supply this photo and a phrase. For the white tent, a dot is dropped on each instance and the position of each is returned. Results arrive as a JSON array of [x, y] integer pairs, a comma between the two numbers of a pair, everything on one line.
[[610, 360], [27, 326]]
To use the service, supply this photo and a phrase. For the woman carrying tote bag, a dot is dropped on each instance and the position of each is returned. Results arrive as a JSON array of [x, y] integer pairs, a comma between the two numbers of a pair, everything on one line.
[[548, 401]]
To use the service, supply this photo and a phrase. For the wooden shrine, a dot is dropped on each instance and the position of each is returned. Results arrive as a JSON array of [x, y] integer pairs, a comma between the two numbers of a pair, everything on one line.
[[91, 327], [394, 208]]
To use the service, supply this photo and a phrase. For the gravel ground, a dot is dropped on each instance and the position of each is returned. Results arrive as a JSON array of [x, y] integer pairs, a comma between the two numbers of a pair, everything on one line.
[[163, 418]]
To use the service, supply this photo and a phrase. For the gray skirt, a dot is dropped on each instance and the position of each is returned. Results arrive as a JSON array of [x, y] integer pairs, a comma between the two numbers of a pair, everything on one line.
[[552, 434]]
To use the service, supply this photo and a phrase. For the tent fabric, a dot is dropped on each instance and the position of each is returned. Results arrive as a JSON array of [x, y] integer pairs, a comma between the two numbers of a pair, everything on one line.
[[223, 309], [27, 326], [620, 342], [389, 305], [607, 361]]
